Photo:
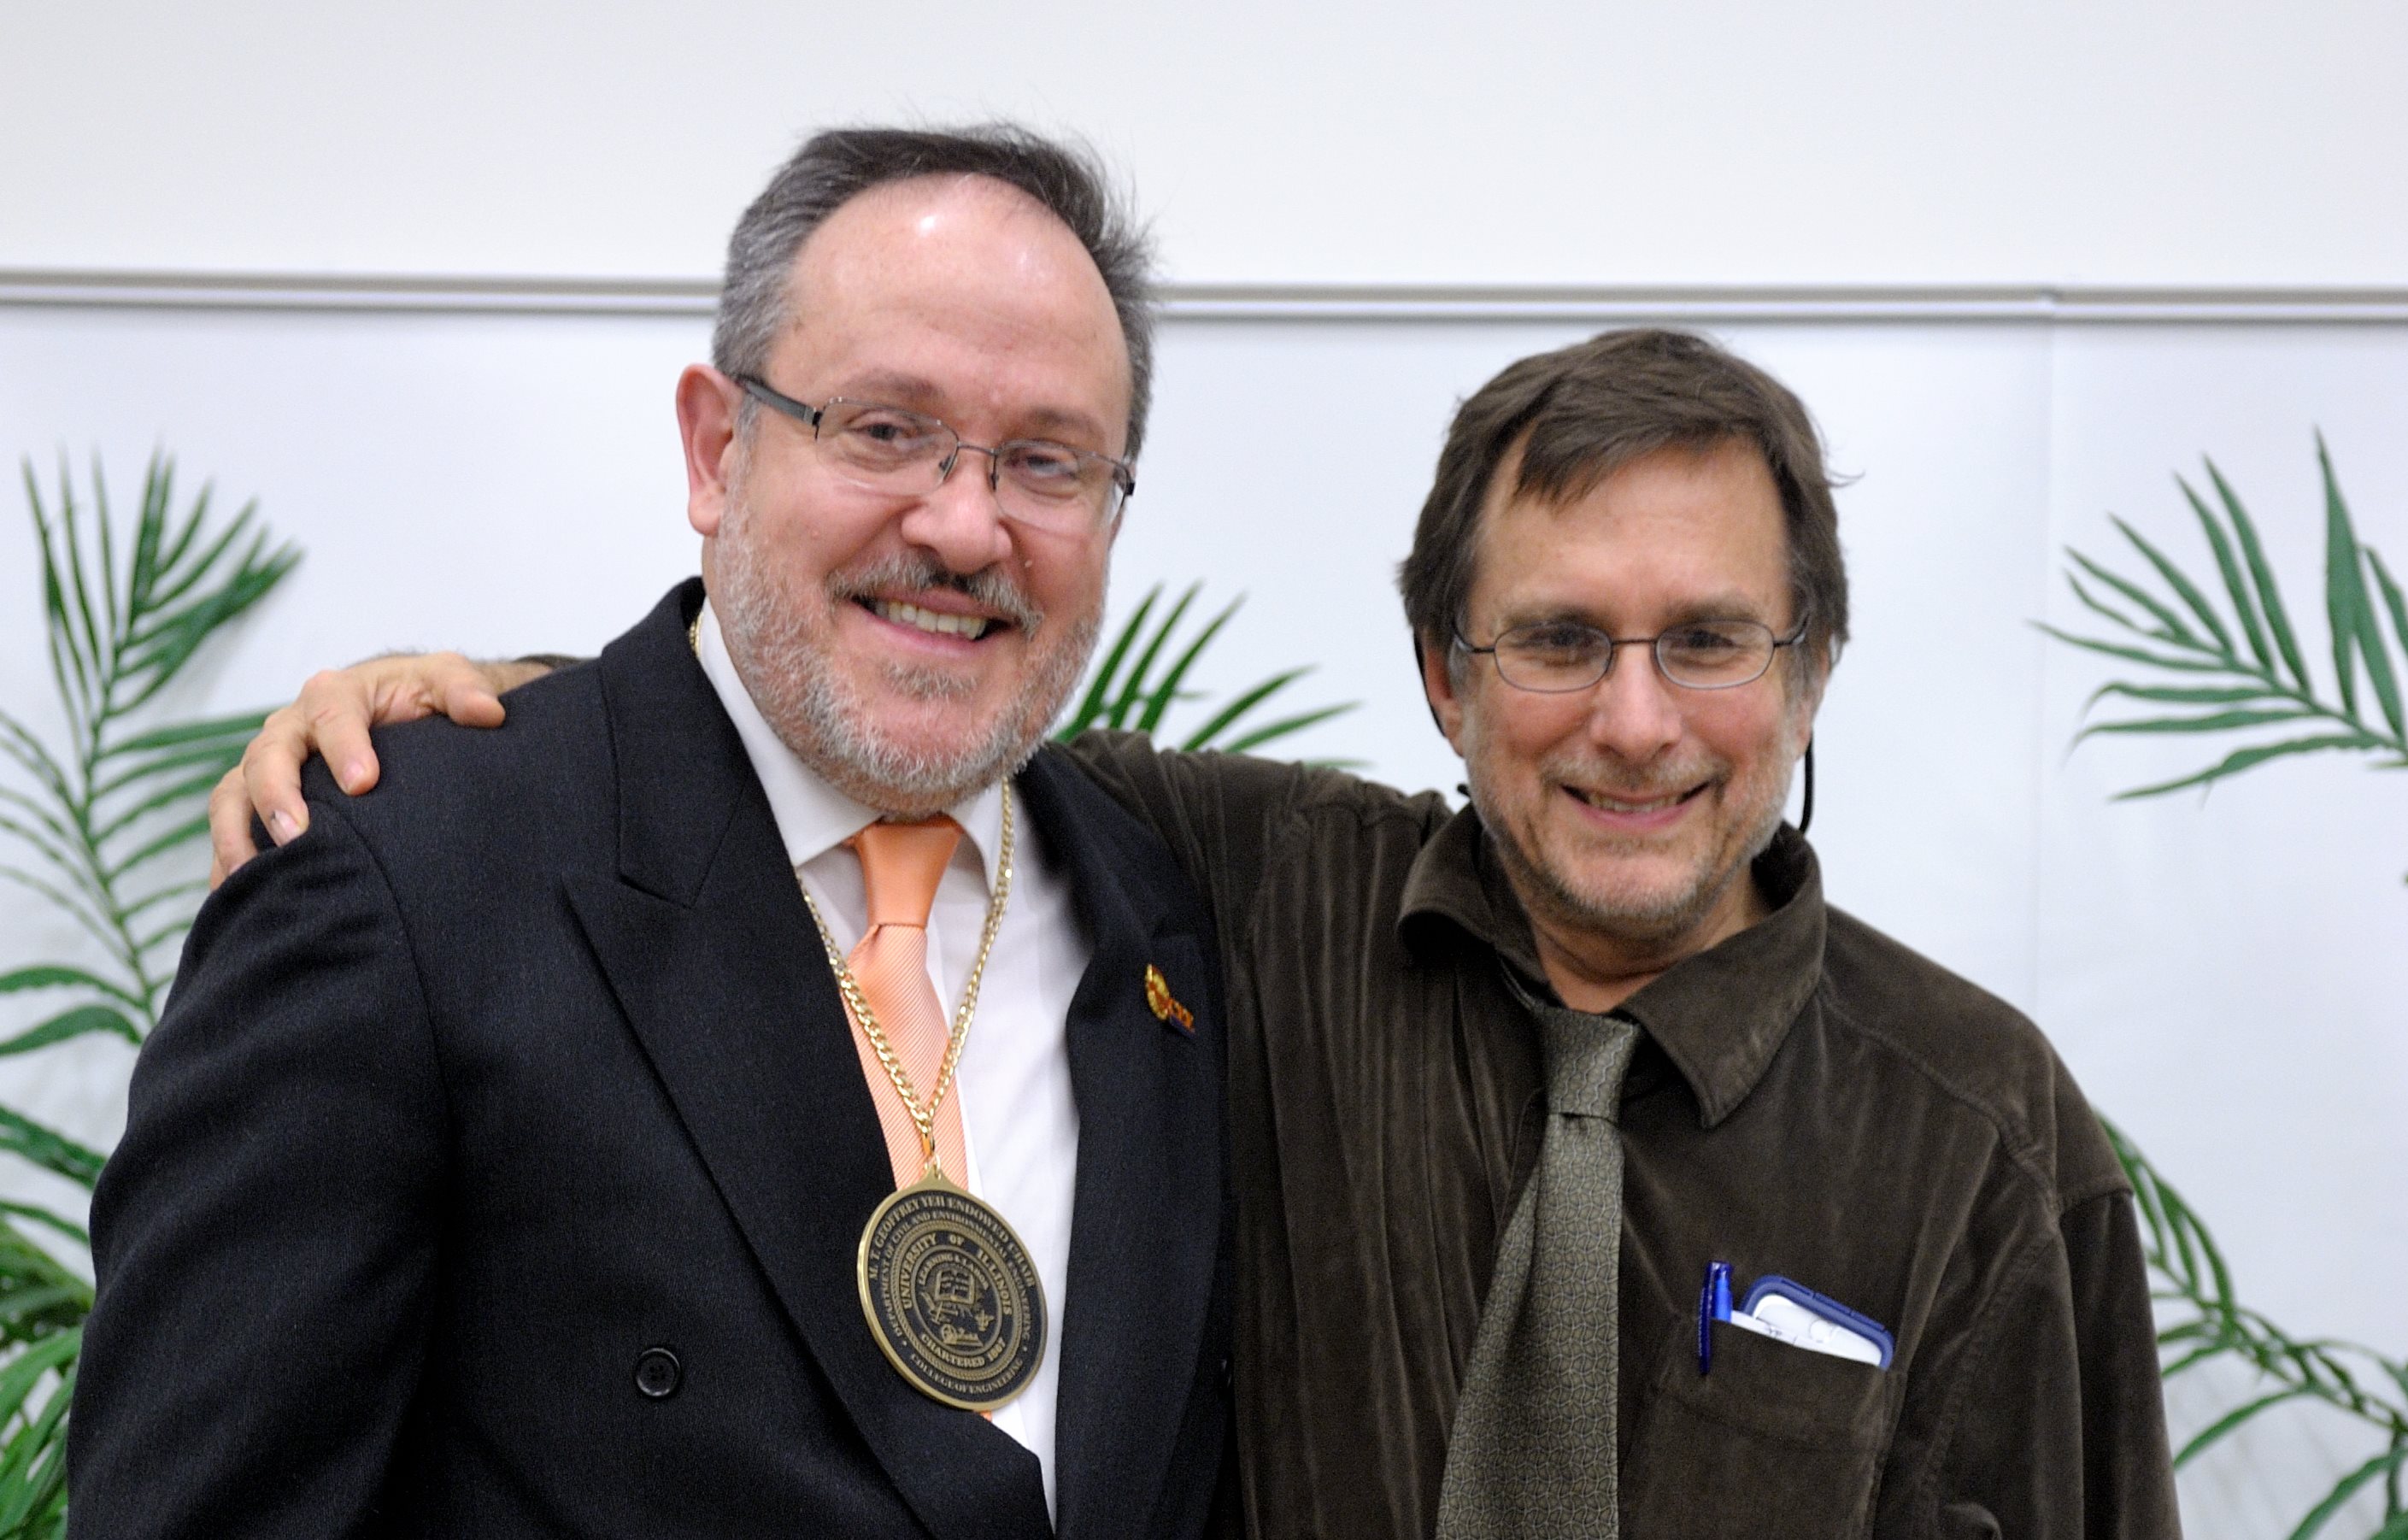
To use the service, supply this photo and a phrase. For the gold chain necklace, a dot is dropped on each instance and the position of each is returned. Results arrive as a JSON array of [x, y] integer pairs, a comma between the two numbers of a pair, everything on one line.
[[924, 1114], [950, 1290]]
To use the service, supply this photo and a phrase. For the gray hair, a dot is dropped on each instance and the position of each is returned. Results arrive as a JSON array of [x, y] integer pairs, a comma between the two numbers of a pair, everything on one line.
[[840, 164]]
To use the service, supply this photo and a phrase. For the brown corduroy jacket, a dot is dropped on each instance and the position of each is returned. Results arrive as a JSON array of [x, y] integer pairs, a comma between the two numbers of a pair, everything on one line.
[[1810, 1100]]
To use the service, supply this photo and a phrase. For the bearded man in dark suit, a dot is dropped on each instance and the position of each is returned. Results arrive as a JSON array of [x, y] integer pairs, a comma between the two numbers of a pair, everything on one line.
[[506, 1161]]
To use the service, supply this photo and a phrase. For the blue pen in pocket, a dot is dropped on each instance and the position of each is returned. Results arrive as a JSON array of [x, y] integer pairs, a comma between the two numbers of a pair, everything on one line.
[[1713, 1305]]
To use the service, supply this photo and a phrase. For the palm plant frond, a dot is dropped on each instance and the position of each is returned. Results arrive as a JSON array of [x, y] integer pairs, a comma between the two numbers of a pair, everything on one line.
[[2247, 644], [2231, 644], [2201, 1320], [95, 822], [1124, 691]]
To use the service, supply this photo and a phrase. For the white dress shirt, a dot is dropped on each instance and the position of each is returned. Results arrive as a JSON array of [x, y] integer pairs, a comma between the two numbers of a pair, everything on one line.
[[1020, 1125]]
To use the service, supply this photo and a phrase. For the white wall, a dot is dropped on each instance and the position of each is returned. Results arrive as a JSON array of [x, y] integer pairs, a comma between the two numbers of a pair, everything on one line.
[[2225, 974], [2157, 142]]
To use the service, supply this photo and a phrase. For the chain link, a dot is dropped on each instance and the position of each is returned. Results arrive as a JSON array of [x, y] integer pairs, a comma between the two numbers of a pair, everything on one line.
[[924, 1116]]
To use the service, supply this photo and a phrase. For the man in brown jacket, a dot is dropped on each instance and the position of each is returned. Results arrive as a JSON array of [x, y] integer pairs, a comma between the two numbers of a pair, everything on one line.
[[1627, 596]]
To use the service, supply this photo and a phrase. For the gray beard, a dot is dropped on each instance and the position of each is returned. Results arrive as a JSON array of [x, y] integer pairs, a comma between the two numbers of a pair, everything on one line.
[[785, 667], [1622, 916], [1627, 919]]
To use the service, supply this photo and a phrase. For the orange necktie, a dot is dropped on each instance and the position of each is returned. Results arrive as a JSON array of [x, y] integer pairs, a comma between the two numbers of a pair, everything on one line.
[[900, 866]]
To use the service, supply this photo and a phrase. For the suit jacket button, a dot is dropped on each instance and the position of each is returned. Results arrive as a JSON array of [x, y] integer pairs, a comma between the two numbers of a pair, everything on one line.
[[657, 1373]]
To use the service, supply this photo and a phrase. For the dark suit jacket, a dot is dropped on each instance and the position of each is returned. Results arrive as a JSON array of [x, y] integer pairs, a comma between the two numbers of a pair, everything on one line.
[[526, 1071]]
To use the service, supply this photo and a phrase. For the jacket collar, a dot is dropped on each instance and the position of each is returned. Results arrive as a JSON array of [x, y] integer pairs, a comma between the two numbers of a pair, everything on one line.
[[1719, 1017], [698, 933]]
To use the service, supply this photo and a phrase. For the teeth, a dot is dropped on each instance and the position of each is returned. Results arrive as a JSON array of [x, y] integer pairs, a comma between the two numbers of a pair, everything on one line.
[[1615, 804], [972, 626]]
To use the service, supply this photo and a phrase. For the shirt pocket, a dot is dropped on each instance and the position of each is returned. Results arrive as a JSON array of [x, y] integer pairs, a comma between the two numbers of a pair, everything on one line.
[[1777, 1441]]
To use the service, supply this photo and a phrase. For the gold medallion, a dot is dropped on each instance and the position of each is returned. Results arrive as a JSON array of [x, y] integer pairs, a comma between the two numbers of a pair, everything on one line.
[[951, 1295]]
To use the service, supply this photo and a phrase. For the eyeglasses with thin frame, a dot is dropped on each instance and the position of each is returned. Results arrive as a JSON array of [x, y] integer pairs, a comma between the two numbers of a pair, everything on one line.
[[1056, 487], [1558, 657]]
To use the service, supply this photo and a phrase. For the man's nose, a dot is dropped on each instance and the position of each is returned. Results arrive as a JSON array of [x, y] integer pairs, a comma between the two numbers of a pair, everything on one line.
[[1634, 711], [960, 521]]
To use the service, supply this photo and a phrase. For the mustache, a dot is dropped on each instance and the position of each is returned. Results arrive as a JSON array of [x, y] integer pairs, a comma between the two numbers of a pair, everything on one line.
[[1629, 784], [992, 587]]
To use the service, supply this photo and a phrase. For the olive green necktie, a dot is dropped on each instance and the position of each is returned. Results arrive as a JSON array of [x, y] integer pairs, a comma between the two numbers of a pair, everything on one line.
[[1532, 1456]]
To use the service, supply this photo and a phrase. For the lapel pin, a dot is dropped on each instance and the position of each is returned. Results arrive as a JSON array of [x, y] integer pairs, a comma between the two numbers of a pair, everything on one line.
[[1158, 1000]]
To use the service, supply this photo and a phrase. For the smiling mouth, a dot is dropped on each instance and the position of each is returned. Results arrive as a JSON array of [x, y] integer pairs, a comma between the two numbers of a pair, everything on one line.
[[1606, 803], [968, 627]]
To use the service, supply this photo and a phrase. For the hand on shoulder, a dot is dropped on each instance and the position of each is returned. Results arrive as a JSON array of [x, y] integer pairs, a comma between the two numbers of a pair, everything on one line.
[[331, 717]]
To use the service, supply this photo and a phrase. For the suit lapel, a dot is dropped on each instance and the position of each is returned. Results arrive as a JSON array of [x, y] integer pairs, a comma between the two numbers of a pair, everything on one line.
[[1146, 1218], [704, 938]]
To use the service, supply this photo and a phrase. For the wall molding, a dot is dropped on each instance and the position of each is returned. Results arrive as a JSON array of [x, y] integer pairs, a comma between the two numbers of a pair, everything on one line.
[[1249, 302]]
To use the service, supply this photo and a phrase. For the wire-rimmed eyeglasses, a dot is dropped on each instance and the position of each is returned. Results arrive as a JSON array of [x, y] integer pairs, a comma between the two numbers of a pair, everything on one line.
[[1557, 657], [1051, 486]]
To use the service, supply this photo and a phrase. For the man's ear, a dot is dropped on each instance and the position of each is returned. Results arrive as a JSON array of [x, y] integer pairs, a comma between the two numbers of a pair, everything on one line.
[[705, 409], [1438, 688]]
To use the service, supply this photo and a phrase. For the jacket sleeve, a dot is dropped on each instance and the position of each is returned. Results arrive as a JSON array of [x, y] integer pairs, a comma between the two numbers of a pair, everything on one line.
[[263, 1237], [2061, 1431], [1220, 814]]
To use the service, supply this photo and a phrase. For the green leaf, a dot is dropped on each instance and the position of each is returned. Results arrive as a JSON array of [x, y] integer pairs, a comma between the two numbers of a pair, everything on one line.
[[196, 827], [65, 660], [49, 821], [194, 788], [2185, 1252], [168, 894], [24, 748], [2182, 585], [34, 1471], [2213, 1351], [2134, 654], [2348, 1488], [2233, 1419], [49, 1149], [105, 528], [190, 629], [61, 860], [77, 909], [217, 758], [178, 583], [1100, 687], [2348, 608], [27, 1269], [22, 1373], [2269, 596], [89, 642], [148, 527], [2242, 759], [168, 931], [2229, 566], [2216, 1268], [40, 1216], [2218, 722], [2098, 606], [2170, 625], [2184, 694], [1285, 727], [1245, 701], [238, 728], [1133, 688], [77, 1022], [2392, 600], [52, 975], [2394, 1528], [1160, 701]]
